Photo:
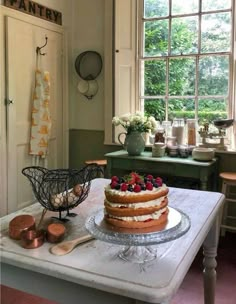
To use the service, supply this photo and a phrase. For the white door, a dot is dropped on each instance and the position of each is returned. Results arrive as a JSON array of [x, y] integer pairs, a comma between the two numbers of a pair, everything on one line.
[[22, 38]]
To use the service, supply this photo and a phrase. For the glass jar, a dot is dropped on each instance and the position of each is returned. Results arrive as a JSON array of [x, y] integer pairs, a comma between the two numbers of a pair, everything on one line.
[[191, 132], [167, 127], [158, 149], [171, 141], [159, 136], [178, 130]]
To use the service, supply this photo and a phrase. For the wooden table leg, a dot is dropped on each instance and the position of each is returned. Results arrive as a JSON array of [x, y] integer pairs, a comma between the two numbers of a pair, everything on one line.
[[209, 262]]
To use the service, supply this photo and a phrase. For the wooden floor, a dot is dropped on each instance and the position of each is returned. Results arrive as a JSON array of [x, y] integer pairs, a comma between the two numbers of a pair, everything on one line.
[[191, 290]]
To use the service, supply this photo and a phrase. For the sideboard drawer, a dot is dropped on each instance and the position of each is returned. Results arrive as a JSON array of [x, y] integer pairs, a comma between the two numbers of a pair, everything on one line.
[[152, 167]]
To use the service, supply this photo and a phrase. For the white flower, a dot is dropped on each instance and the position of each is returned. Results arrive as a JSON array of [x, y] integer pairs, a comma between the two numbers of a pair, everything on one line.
[[152, 119], [137, 119], [135, 122], [116, 121], [153, 122], [139, 113], [149, 124], [125, 117]]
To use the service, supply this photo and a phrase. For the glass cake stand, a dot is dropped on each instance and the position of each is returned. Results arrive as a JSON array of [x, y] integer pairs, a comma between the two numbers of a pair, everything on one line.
[[137, 241]]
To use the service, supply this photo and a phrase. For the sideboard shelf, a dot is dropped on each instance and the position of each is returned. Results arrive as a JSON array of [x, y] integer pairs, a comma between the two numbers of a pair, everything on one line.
[[186, 168]]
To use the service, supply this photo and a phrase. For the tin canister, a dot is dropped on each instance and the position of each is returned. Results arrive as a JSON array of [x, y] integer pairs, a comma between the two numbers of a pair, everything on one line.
[[158, 149]]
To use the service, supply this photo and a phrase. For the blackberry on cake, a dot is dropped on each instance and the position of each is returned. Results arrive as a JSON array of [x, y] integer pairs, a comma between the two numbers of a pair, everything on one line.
[[136, 201]]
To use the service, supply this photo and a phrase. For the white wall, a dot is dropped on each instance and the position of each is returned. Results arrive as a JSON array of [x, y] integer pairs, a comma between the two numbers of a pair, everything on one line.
[[87, 34]]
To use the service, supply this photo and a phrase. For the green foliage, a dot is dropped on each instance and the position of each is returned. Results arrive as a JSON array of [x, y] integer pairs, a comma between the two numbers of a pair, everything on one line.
[[203, 116], [155, 108]]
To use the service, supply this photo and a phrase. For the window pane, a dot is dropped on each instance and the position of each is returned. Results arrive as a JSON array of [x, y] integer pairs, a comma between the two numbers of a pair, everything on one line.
[[210, 109], [155, 108], [210, 5], [184, 35], [181, 108], [182, 76], [213, 75], [186, 7], [155, 77], [216, 33], [156, 38], [156, 8]]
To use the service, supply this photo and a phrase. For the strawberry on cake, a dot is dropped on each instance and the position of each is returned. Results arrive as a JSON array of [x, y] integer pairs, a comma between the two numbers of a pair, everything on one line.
[[136, 201]]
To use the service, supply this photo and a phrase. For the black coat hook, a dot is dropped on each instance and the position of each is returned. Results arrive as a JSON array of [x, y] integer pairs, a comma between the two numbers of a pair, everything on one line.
[[38, 49]]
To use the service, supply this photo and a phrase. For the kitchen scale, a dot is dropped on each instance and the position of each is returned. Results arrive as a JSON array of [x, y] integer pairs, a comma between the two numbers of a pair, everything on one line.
[[215, 139]]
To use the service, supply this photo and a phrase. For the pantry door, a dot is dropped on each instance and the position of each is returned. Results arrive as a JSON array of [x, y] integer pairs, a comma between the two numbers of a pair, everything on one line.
[[22, 38]]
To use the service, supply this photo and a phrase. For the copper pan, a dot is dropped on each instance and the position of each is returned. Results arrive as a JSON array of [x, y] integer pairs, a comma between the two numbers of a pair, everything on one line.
[[20, 223]]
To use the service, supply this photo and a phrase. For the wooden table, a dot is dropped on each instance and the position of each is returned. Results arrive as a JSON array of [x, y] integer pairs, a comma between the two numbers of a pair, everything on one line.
[[169, 166], [93, 273]]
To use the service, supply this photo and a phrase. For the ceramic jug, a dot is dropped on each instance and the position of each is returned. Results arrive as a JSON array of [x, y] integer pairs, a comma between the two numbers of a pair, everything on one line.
[[134, 142]]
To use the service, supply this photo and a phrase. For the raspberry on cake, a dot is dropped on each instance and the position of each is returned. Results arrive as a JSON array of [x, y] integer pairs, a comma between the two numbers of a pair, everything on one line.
[[136, 201]]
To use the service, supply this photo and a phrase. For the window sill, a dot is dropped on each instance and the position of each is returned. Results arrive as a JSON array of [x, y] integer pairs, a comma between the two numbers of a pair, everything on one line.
[[231, 151]]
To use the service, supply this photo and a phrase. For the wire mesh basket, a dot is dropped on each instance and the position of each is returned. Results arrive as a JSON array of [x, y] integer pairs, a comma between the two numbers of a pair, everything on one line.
[[61, 189]]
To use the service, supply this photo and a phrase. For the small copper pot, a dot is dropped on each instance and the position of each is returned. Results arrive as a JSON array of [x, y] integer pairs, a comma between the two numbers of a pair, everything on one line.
[[20, 223], [55, 232], [32, 239]]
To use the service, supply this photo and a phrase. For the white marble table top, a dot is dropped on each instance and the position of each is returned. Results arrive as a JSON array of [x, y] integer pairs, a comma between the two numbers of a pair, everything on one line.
[[96, 264]]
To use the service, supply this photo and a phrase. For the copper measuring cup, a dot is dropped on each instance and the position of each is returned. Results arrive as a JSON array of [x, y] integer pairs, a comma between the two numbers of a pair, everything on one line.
[[34, 238]]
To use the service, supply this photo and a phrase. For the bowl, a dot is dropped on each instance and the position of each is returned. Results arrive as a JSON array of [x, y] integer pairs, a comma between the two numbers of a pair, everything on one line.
[[223, 123], [203, 154]]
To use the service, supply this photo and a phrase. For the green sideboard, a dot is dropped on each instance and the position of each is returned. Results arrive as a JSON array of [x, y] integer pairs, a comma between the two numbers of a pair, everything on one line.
[[205, 172]]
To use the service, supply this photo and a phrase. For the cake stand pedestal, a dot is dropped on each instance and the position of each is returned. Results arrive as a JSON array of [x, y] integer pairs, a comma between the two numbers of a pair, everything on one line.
[[137, 242], [138, 254]]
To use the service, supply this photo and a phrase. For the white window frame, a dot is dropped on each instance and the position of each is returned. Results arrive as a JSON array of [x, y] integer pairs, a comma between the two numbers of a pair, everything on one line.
[[112, 101]]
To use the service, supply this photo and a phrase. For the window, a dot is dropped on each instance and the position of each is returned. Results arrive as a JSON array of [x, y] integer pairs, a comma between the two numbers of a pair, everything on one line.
[[182, 59], [185, 59]]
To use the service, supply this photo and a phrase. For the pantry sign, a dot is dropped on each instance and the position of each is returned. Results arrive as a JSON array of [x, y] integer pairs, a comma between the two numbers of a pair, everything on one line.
[[35, 9]]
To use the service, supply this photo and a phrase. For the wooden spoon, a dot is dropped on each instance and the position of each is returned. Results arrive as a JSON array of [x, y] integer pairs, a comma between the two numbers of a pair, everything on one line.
[[67, 246]]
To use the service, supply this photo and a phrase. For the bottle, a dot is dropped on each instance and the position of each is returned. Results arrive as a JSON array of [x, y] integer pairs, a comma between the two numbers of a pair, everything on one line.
[[191, 132], [178, 130]]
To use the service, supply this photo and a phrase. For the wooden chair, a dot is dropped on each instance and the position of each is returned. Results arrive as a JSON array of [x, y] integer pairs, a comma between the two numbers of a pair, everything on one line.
[[102, 163], [228, 180]]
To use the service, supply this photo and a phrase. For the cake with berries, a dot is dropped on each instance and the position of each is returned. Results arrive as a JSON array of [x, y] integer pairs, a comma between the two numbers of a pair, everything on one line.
[[136, 201]]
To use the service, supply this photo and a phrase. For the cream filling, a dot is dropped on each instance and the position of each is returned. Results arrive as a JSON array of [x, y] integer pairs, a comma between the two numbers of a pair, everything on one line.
[[153, 203], [140, 218], [127, 193]]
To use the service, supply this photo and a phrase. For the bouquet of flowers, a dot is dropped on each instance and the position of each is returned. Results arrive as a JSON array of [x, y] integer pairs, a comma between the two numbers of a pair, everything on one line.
[[135, 122]]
